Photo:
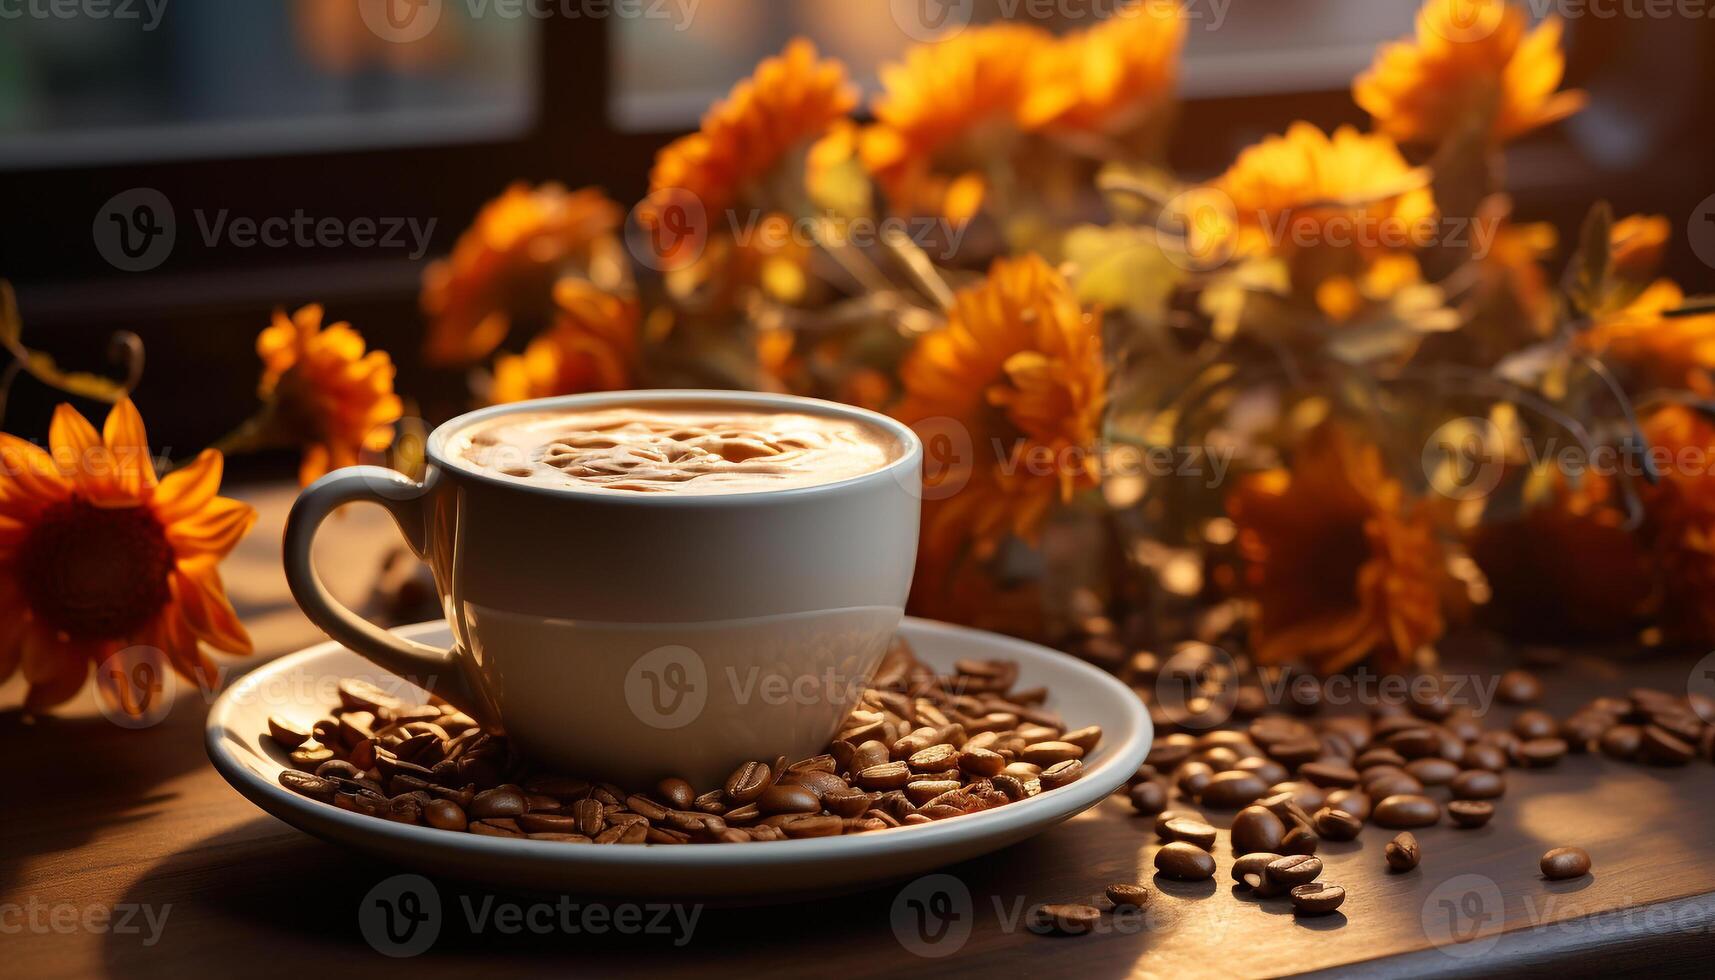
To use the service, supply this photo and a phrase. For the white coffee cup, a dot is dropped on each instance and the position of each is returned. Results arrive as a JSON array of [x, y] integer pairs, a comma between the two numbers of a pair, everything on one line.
[[631, 637]]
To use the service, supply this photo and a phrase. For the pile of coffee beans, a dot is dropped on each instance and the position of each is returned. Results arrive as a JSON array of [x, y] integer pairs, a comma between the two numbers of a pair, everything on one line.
[[1292, 779], [920, 747]]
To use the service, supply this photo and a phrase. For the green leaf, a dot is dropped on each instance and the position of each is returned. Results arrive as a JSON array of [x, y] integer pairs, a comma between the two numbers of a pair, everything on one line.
[[1122, 268]]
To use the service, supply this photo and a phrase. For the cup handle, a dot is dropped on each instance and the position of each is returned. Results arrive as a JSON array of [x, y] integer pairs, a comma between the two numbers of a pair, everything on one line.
[[429, 667]]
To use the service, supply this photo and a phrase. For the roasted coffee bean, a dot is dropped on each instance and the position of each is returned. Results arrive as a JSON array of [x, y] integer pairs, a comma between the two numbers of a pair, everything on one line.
[[1414, 743], [1233, 789], [1622, 742], [445, 815], [936, 758], [1478, 784], [497, 827], [1539, 753], [1086, 738], [1183, 861], [309, 755], [1189, 831], [1379, 757], [748, 782], [677, 792], [788, 798], [1162, 819], [1329, 775], [1519, 687], [1296, 752], [1169, 751], [1256, 829], [1661, 747], [1252, 864], [1061, 773], [923, 791], [1565, 862], [1012, 787], [1265, 769], [1299, 840], [1355, 802], [1046, 754], [1294, 870], [308, 784], [1127, 897], [1337, 825], [888, 775], [980, 761], [1535, 724], [1147, 798], [1432, 772], [814, 826], [288, 734], [1470, 813], [1482, 756], [547, 823], [1393, 784], [503, 801], [1309, 798], [1191, 778], [338, 769], [1403, 853], [1068, 920], [1406, 810], [1583, 729], [1317, 898]]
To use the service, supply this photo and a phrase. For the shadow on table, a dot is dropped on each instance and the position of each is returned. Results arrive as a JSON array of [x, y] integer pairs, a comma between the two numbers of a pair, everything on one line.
[[293, 904]]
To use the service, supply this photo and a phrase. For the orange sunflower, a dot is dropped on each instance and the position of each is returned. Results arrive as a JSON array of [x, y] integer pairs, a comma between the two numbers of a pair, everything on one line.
[[947, 114], [503, 269], [1636, 245], [791, 101], [1681, 511], [1340, 564], [1112, 77], [592, 346], [323, 392], [1330, 206], [98, 556], [1015, 386], [1671, 352], [1469, 57], [1568, 568]]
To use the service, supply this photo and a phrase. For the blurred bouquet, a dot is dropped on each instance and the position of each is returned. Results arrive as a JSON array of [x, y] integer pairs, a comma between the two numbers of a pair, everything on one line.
[[1322, 406], [1319, 407]]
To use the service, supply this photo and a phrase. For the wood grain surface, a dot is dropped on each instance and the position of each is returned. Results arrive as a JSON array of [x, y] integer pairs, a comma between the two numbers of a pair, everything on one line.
[[104, 827]]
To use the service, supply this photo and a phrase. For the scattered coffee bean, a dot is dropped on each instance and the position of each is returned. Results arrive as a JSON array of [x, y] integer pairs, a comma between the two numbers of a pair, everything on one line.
[[1663, 748], [1233, 789], [1470, 813], [1256, 828], [1252, 864], [445, 815], [1329, 775], [308, 784], [1622, 742], [1317, 898], [1337, 825], [1185, 862], [1519, 687], [1294, 869], [1126, 896], [1299, 840], [1069, 920], [1062, 773], [1406, 811], [288, 734], [1403, 852], [1478, 784], [1565, 862], [1148, 798], [1539, 753], [1535, 724], [1188, 831], [1432, 772], [1481, 756], [1354, 802]]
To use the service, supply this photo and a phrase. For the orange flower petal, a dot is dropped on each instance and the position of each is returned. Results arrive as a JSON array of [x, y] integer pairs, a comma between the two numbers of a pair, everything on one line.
[[80, 454], [202, 600], [128, 443], [212, 531], [30, 477], [190, 488]]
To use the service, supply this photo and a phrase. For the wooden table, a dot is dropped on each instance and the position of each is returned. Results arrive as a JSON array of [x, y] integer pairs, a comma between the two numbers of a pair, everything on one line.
[[103, 825]]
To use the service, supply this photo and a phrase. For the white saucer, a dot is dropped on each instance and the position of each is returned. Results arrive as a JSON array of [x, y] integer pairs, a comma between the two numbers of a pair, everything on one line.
[[300, 687]]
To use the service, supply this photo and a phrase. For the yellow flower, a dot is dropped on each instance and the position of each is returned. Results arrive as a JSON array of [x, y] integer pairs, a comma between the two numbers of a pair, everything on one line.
[[503, 269], [1331, 207], [98, 556], [790, 101], [1016, 382], [1340, 564], [323, 392], [592, 346], [1673, 352], [1109, 78], [1470, 58], [948, 114], [1636, 244]]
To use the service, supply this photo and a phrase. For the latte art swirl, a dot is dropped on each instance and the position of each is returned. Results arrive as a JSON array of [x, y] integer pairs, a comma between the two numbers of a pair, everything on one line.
[[650, 450]]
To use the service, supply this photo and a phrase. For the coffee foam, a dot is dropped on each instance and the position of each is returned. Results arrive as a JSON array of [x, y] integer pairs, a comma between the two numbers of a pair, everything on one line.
[[691, 450]]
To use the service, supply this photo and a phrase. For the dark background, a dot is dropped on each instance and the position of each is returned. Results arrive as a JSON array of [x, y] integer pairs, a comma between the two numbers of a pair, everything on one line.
[[558, 98]]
